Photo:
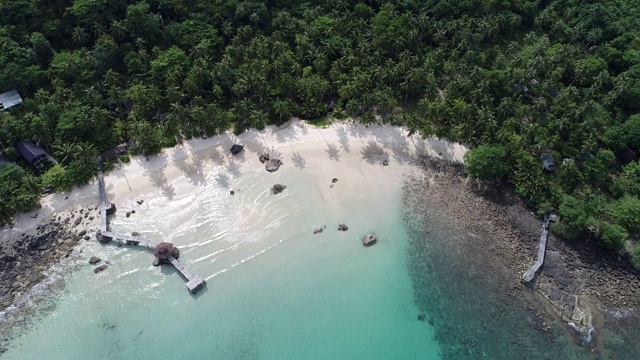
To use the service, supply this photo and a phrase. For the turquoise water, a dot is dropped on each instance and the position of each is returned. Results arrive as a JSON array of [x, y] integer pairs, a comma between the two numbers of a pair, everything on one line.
[[274, 289]]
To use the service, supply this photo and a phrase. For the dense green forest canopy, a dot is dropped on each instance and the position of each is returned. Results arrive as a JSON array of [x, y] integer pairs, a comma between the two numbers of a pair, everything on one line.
[[520, 77]]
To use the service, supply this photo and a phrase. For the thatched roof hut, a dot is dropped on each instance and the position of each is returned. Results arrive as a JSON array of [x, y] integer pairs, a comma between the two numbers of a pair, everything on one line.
[[163, 250]]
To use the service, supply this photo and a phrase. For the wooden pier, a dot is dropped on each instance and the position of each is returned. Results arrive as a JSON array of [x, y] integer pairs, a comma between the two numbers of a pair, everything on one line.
[[194, 282], [542, 246]]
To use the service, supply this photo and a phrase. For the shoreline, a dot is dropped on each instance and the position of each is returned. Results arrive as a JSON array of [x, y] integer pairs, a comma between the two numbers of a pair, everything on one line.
[[179, 171], [593, 290]]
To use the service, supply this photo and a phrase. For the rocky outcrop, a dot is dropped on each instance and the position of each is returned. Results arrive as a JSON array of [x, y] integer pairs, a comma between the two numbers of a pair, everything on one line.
[[100, 268], [236, 149], [140, 202], [94, 260], [343, 227], [263, 158], [369, 239], [334, 180], [272, 165], [277, 189]]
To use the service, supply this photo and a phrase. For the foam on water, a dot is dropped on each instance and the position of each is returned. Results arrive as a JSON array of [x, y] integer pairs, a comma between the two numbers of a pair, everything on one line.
[[274, 289]]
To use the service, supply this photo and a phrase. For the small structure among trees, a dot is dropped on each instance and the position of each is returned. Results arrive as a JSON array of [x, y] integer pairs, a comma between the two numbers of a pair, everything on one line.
[[34, 154], [9, 99], [548, 163]]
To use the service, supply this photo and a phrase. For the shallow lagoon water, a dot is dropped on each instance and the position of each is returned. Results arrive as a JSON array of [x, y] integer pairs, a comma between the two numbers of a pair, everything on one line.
[[274, 289]]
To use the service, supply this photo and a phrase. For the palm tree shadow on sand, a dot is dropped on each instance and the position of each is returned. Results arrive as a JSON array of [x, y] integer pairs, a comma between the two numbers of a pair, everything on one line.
[[298, 161], [343, 139], [373, 153], [159, 181], [333, 151], [223, 180]]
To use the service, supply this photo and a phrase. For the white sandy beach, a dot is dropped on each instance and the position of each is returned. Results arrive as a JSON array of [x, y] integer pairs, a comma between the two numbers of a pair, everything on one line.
[[254, 249], [344, 149]]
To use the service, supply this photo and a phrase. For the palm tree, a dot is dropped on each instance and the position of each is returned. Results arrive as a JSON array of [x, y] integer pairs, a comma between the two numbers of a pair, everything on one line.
[[80, 36], [65, 152]]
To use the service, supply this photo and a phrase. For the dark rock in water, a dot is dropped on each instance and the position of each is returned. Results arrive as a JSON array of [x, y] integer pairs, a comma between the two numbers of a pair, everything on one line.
[[86, 237], [272, 165], [101, 238], [369, 239], [385, 163], [235, 149], [431, 321], [263, 157], [110, 208], [133, 211], [232, 192], [94, 260], [78, 221], [334, 180], [135, 233], [140, 202], [128, 213], [343, 227], [100, 268], [422, 317], [175, 252], [91, 218], [156, 261], [82, 232], [277, 189], [319, 230]]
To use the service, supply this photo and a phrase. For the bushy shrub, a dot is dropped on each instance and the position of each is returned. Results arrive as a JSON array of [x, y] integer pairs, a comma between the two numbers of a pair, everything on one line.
[[613, 236], [486, 162], [57, 179]]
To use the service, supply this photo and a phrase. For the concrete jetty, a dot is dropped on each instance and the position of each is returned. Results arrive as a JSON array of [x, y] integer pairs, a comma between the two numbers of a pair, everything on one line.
[[542, 247]]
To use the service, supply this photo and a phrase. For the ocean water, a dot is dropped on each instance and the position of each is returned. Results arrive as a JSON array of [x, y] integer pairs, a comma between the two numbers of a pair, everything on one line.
[[274, 289]]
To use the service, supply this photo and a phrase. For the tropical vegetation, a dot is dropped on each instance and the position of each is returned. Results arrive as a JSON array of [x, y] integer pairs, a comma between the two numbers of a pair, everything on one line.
[[516, 79]]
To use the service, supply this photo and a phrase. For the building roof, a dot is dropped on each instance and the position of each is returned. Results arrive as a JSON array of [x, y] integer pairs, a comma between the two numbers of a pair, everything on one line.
[[626, 155], [9, 99], [547, 162], [163, 250], [30, 151]]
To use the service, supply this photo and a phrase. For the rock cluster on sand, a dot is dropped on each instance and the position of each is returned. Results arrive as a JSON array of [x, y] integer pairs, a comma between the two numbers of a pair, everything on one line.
[[369, 239], [319, 230], [236, 149], [272, 165], [277, 189], [263, 157], [343, 227]]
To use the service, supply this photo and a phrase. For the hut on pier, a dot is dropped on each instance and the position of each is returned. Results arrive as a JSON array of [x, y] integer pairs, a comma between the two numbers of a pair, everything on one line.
[[163, 250]]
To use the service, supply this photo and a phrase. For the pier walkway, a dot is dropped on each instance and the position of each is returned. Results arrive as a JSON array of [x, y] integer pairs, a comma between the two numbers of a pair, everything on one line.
[[542, 247], [194, 282]]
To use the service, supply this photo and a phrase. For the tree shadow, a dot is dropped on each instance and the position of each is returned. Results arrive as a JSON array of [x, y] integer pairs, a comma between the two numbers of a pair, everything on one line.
[[333, 152], [216, 156], [192, 169], [223, 180], [298, 161], [286, 133], [373, 153], [233, 168], [159, 181], [343, 139], [275, 154]]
